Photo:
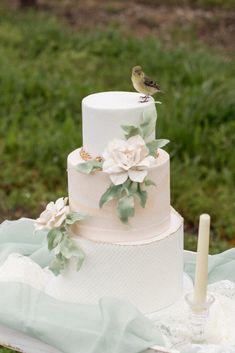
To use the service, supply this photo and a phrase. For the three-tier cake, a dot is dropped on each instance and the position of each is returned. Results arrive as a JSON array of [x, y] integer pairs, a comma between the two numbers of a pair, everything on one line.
[[140, 259]]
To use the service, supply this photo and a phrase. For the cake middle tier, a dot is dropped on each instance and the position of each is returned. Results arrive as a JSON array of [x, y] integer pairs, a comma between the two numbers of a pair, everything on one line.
[[103, 223]]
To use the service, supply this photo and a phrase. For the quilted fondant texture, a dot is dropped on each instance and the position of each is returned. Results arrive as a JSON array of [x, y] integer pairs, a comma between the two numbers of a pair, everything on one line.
[[148, 273]]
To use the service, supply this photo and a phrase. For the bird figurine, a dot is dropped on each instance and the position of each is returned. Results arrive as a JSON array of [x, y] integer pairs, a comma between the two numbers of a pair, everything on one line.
[[143, 84]]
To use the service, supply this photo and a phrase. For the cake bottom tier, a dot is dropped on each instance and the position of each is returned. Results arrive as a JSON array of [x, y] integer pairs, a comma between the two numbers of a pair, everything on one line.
[[149, 274]]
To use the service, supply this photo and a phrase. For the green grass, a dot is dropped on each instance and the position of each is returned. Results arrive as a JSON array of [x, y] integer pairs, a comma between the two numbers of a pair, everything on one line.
[[45, 71], [6, 350], [191, 3]]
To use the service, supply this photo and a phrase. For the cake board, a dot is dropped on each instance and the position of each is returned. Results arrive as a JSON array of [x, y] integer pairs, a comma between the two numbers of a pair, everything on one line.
[[23, 343]]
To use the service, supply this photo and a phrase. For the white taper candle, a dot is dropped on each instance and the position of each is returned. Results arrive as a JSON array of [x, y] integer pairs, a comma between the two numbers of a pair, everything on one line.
[[201, 272]]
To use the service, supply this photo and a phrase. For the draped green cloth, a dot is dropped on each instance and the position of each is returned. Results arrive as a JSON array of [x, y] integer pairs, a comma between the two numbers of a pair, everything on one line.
[[221, 267], [112, 326]]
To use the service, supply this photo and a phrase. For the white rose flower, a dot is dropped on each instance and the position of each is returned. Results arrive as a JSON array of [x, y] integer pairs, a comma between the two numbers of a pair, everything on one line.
[[127, 158], [54, 215]]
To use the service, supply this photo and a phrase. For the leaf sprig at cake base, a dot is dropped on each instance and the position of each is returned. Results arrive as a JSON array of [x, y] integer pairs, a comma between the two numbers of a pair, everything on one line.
[[129, 238]]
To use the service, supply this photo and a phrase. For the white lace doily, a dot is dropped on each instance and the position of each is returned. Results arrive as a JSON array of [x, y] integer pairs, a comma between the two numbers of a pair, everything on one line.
[[174, 324], [19, 268]]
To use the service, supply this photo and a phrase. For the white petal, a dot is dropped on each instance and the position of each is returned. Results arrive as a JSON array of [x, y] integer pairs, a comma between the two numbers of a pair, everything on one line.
[[145, 163], [59, 203], [51, 221], [51, 206], [110, 168], [45, 216], [137, 175], [59, 220], [122, 160], [137, 156], [115, 144], [118, 178]]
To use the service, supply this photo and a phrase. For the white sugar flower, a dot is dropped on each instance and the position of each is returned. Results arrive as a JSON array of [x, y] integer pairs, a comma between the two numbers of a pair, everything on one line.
[[127, 158], [54, 215]]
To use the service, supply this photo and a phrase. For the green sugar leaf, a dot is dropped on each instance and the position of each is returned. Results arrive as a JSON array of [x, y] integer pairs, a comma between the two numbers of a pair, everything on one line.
[[80, 257], [58, 264], [143, 195], [89, 166], [130, 188], [155, 144], [126, 208], [68, 248], [54, 237], [113, 192], [55, 266], [126, 184], [74, 217], [148, 182], [131, 130], [148, 123]]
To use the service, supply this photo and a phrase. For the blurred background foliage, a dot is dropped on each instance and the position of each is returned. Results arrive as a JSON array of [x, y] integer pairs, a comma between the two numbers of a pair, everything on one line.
[[53, 55], [6, 350]]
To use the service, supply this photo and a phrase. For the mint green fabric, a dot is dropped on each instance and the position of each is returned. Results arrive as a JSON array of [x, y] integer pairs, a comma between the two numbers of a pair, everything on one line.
[[221, 266], [112, 326], [19, 237]]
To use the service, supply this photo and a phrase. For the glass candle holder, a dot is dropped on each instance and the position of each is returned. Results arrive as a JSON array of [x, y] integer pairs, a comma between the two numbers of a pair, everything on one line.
[[198, 317]]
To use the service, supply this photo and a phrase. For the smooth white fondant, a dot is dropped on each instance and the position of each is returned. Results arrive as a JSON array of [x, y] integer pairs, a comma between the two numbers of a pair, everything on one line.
[[104, 225], [142, 272], [104, 113]]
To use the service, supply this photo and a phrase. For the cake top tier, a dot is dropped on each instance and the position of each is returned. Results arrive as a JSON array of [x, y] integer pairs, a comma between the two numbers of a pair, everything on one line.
[[115, 100], [104, 113]]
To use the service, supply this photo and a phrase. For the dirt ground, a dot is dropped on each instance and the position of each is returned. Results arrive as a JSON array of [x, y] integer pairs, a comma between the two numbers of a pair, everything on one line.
[[214, 26]]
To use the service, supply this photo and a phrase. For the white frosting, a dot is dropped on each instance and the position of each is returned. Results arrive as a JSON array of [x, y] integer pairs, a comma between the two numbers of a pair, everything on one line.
[[141, 272], [104, 225], [104, 113]]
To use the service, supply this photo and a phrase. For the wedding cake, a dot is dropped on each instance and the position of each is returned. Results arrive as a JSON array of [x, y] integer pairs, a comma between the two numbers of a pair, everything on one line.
[[119, 184]]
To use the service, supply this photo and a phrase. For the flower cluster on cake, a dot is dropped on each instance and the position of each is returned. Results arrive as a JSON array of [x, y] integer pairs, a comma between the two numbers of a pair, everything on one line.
[[118, 228]]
